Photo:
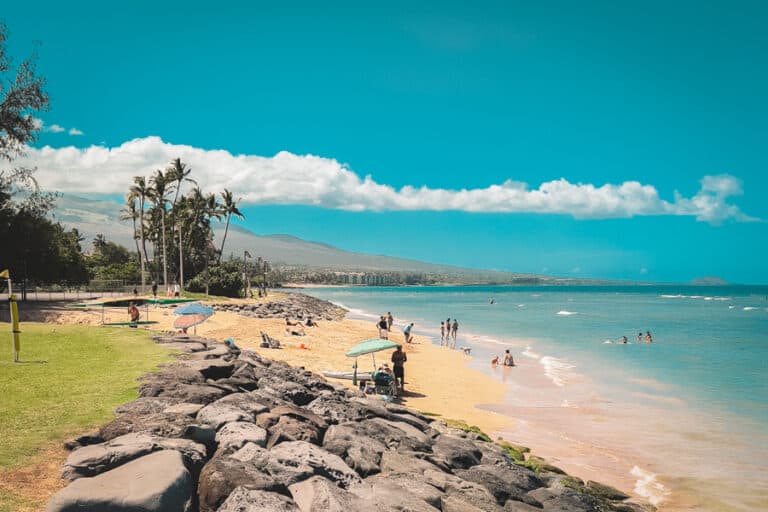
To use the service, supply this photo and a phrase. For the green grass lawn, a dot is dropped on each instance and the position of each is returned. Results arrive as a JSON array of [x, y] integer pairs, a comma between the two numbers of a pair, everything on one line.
[[69, 380]]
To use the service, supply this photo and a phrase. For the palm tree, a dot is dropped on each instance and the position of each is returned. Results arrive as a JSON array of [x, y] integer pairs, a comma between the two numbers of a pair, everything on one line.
[[178, 172], [140, 191], [130, 213], [228, 209], [161, 186]]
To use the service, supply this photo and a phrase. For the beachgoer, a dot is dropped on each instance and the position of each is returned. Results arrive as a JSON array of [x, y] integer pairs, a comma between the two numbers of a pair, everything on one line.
[[623, 340], [639, 337], [495, 361], [407, 332], [384, 368], [290, 322], [176, 290], [648, 337], [382, 326], [454, 330], [133, 313], [491, 301], [398, 359], [508, 359], [295, 331], [390, 321], [310, 322], [154, 289], [135, 291], [442, 333]]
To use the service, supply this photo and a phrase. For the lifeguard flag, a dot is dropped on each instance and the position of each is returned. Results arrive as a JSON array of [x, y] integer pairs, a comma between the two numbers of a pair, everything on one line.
[[4, 274]]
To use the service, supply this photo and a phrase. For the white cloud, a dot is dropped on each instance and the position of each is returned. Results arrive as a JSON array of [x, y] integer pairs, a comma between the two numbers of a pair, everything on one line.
[[54, 128], [287, 178]]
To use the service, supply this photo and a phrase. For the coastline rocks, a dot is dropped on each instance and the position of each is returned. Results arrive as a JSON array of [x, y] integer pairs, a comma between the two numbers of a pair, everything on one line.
[[295, 305], [219, 430], [99, 458], [158, 482]]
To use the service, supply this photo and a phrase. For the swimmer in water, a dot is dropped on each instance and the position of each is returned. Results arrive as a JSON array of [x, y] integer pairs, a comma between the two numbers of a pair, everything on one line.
[[648, 337]]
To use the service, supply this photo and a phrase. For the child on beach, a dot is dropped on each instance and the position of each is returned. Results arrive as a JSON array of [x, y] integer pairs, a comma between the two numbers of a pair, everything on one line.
[[442, 333]]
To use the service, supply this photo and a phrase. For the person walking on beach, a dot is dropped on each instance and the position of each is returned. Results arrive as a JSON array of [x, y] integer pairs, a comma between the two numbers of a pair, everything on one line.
[[407, 332], [390, 320], [454, 330], [398, 360], [442, 333], [382, 325]]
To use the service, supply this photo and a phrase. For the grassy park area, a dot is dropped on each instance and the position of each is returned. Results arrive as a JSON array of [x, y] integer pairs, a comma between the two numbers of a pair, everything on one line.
[[69, 380]]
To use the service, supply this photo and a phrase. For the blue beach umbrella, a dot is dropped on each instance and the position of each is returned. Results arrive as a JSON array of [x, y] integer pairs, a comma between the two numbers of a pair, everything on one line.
[[194, 308]]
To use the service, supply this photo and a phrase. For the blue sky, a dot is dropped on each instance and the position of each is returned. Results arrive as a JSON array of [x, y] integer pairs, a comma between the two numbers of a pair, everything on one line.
[[446, 96]]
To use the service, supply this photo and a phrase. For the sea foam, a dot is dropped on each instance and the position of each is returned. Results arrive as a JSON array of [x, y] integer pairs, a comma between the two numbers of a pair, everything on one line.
[[567, 313], [557, 370], [648, 486]]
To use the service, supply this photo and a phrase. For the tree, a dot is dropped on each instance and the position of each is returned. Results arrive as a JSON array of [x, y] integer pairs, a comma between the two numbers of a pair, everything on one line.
[[130, 213], [140, 191], [22, 93], [161, 187], [228, 209]]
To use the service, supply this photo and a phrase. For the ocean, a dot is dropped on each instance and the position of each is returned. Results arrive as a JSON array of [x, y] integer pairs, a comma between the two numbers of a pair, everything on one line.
[[684, 419]]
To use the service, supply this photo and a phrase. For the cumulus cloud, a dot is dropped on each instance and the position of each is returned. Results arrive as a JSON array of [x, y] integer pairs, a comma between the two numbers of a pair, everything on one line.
[[74, 131], [287, 178], [54, 128]]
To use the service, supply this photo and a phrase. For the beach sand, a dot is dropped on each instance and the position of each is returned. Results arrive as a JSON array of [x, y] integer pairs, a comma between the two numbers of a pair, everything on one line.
[[438, 380], [446, 383]]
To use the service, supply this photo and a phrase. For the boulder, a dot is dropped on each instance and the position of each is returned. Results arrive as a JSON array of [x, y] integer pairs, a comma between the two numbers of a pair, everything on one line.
[[505, 483], [161, 424], [361, 452], [218, 414], [245, 500], [564, 498], [461, 491], [401, 484], [145, 405], [216, 352], [294, 461], [212, 368], [95, 459], [393, 461], [383, 494], [233, 436], [320, 495], [459, 453], [183, 408], [83, 440], [181, 392], [287, 390], [222, 475], [156, 482], [290, 428], [607, 492]]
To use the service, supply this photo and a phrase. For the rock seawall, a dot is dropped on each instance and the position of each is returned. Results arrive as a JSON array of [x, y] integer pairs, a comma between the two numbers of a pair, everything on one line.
[[295, 305], [220, 430]]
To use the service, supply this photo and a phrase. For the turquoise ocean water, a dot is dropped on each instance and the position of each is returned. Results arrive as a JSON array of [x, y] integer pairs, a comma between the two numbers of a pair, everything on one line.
[[705, 370]]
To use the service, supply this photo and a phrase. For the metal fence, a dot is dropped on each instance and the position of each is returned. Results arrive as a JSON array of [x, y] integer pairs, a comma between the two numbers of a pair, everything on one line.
[[26, 292]]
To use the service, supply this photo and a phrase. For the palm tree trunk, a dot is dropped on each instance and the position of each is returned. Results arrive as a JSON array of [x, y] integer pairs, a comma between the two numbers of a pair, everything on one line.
[[181, 262], [165, 255], [224, 239], [138, 250], [143, 244]]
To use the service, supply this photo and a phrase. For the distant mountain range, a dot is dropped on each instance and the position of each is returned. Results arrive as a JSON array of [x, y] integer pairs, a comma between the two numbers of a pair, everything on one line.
[[92, 217]]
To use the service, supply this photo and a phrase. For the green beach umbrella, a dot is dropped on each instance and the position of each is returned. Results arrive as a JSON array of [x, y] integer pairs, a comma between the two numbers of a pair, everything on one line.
[[371, 346]]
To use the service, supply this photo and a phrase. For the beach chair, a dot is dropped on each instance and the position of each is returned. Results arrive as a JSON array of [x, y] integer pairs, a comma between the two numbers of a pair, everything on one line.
[[384, 384]]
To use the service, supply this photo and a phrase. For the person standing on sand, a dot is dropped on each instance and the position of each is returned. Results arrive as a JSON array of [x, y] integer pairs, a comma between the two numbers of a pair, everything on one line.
[[133, 314], [398, 359], [442, 333], [382, 325], [454, 330], [390, 320]]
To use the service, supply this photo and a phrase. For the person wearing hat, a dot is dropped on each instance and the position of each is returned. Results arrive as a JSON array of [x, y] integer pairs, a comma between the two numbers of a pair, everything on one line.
[[398, 360]]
